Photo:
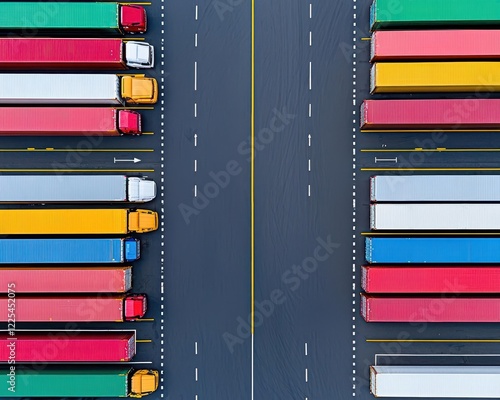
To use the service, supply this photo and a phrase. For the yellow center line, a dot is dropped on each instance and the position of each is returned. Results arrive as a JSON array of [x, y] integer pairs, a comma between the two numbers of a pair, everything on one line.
[[433, 340], [143, 341], [252, 177], [366, 38], [145, 320]]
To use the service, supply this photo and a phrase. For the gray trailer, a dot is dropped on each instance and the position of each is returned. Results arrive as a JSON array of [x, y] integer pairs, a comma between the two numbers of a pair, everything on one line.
[[471, 382], [435, 188], [435, 217], [75, 189]]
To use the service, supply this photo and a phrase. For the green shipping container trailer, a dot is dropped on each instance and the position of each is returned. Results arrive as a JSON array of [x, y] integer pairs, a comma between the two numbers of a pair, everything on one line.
[[30, 17], [433, 13], [77, 382]]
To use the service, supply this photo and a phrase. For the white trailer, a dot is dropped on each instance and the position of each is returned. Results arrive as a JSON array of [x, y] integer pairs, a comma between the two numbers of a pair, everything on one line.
[[471, 382], [60, 89], [435, 188], [75, 189], [439, 217]]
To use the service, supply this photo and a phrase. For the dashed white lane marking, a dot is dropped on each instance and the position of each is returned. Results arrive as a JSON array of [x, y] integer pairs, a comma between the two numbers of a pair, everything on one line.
[[196, 12], [354, 279], [310, 38], [196, 75], [195, 397], [305, 349], [310, 110], [310, 75], [196, 374], [309, 139], [195, 40], [196, 110], [195, 190], [196, 348], [195, 165], [310, 10], [308, 190], [309, 169], [307, 375]]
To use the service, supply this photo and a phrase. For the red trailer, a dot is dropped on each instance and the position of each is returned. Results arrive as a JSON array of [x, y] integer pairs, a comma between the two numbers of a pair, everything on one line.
[[435, 45], [68, 121], [424, 279], [67, 346], [100, 308], [456, 114], [437, 308], [56, 53], [67, 280]]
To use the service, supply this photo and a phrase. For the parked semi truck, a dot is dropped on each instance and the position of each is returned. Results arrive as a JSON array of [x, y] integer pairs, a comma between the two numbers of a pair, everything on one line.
[[75, 308], [68, 346], [92, 89], [444, 44], [80, 381], [69, 121], [28, 18], [75, 189], [59, 53], [69, 251], [379, 308], [68, 221], [435, 381], [66, 279], [435, 217], [430, 13], [420, 250], [435, 77], [430, 114], [425, 279]]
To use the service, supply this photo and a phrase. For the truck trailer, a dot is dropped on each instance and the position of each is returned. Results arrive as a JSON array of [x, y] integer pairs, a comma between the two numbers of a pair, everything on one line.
[[434, 217], [422, 279], [67, 346], [69, 121], [66, 279], [430, 14], [429, 77], [69, 251], [75, 189], [68, 221], [28, 18], [74, 308], [430, 114], [435, 188], [91, 89], [435, 381], [79, 381], [437, 308], [436, 250], [62, 53], [430, 45]]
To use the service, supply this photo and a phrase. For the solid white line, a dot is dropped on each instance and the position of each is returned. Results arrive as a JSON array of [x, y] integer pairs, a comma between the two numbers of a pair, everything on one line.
[[310, 10], [196, 13], [310, 38], [196, 75], [310, 75], [196, 374], [195, 40], [195, 347], [305, 344], [252, 369], [307, 375]]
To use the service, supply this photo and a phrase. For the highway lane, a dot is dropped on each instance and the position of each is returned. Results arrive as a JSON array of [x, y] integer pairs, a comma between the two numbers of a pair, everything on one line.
[[303, 348]]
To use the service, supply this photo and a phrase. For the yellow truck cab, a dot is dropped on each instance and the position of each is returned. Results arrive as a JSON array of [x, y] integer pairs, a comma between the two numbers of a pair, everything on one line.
[[143, 382], [137, 89], [141, 221]]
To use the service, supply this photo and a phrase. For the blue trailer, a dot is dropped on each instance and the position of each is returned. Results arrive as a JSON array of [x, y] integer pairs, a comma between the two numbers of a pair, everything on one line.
[[432, 250], [69, 251]]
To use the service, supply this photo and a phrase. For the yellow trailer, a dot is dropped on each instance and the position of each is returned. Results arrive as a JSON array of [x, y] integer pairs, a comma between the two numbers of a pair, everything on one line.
[[414, 77], [77, 221]]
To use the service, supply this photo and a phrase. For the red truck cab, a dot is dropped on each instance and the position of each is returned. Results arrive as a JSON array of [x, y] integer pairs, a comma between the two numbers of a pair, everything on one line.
[[135, 306], [129, 122], [133, 19]]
